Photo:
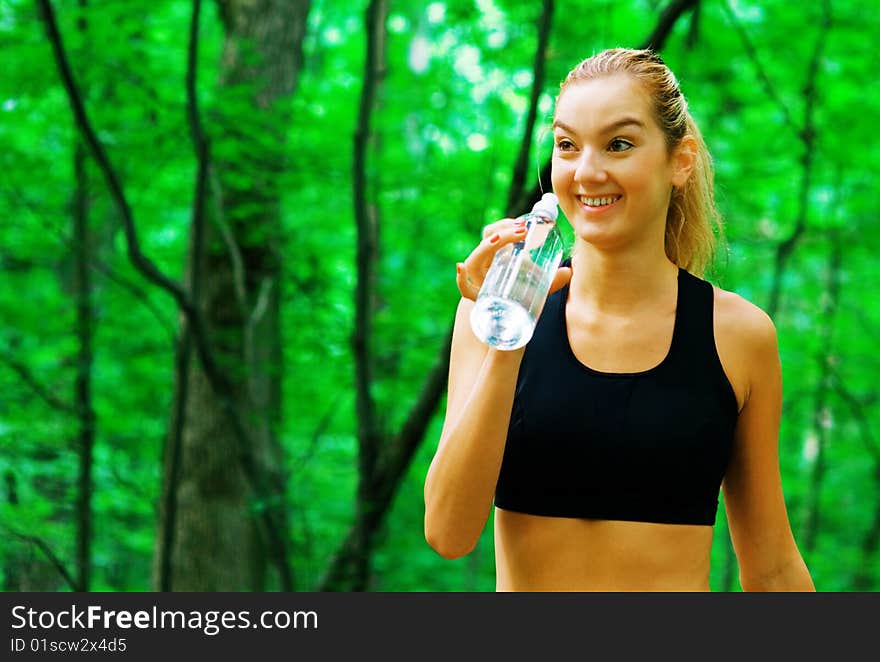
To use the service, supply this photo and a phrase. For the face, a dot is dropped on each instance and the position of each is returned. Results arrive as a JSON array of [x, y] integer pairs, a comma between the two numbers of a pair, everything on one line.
[[612, 171]]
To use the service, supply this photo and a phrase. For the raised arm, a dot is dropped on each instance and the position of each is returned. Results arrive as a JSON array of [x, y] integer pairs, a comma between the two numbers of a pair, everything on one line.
[[460, 485]]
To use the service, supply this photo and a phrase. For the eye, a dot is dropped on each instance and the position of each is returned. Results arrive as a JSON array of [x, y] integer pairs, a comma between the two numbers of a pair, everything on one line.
[[620, 145], [564, 145]]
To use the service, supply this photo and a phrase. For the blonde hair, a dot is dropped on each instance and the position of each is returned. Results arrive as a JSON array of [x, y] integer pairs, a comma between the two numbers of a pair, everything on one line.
[[693, 223]]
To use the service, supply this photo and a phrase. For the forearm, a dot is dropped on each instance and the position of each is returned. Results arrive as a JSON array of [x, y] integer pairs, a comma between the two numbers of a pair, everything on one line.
[[460, 484], [792, 576]]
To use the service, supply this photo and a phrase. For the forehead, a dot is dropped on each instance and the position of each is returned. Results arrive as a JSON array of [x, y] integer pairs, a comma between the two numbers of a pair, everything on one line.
[[594, 103]]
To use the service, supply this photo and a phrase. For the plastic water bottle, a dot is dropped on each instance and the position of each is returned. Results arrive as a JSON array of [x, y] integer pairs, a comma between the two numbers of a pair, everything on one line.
[[516, 286]]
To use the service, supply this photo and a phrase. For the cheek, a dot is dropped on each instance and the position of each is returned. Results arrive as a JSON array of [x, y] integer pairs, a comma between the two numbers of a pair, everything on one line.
[[554, 170], [644, 179], [560, 175]]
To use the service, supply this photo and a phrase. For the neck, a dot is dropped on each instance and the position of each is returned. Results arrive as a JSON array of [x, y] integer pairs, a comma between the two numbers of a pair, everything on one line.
[[620, 282]]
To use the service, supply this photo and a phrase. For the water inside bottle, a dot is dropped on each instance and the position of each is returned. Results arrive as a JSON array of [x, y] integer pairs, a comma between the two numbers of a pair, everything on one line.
[[508, 306]]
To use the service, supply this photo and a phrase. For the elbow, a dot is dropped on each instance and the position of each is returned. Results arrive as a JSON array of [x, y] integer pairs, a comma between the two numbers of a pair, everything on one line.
[[447, 548], [443, 540], [451, 531]]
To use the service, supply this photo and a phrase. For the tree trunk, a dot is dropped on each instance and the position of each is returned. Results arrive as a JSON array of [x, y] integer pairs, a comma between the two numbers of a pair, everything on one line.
[[84, 405], [355, 575], [218, 543], [516, 199], [822, 417]]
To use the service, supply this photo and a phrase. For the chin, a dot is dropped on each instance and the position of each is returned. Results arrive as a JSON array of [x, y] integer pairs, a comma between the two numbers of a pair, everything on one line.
[[597, 237]]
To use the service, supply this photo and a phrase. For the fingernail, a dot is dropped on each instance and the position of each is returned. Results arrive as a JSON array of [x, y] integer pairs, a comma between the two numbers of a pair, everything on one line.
[[458, 268], [520, 230], [494, 238]]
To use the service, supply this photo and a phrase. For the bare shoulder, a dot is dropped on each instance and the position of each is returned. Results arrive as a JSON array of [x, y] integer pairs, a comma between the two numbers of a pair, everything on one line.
[[746, 340], [736, 315]]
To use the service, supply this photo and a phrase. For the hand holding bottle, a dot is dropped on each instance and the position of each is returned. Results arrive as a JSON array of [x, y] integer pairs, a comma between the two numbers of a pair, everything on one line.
[[510, 274], [471, 273]]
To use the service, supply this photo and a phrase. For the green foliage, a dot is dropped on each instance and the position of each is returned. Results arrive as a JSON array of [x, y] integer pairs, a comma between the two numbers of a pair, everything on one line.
[[446, 129]]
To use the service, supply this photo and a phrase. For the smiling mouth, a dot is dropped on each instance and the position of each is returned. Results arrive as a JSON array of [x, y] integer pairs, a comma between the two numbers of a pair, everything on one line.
[[596, 203]]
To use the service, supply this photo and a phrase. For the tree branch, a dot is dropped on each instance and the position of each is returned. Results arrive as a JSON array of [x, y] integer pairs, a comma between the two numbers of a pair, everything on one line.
[[144, 265], [399, 453], [520, 169], [171, 463], [808, 135], [752, 52], [23, 203], [43, 546], [318, 432], [234, 249], [857, 408], [137, 292], [41, 391], [668, 18], [820, 408]]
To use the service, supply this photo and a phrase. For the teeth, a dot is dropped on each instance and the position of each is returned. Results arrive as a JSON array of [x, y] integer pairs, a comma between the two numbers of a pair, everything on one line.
[[598, 202]]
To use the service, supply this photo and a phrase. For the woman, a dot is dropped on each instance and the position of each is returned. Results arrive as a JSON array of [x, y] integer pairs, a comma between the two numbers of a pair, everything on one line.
[[644, 389]]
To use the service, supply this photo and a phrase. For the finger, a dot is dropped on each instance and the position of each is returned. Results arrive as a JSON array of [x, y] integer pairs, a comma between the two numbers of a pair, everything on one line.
[[504, 234], [498, 226], [477, 264], [465, 285], [560, 279]]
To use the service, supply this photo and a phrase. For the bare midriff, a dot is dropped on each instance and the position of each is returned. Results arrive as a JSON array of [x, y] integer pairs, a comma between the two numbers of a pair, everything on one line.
[[537, 553]]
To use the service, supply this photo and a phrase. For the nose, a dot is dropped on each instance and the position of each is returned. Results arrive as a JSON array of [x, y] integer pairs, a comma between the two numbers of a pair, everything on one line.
[[590, 167]]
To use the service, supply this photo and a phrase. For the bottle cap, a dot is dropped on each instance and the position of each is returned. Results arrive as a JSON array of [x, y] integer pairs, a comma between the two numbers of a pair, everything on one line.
[[547, 205]]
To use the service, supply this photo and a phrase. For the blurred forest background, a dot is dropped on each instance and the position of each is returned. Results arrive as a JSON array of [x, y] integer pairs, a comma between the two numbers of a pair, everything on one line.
[[229, 232]]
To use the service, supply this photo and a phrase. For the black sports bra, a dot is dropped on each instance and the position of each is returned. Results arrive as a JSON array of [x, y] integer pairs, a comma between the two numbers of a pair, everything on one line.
[[651, 446]]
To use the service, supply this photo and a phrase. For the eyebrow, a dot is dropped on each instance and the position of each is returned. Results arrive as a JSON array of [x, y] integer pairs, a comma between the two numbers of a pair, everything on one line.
[[619, 124]]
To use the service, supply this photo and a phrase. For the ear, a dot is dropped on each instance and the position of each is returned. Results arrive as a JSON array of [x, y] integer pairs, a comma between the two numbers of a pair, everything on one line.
[[684, 160]]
